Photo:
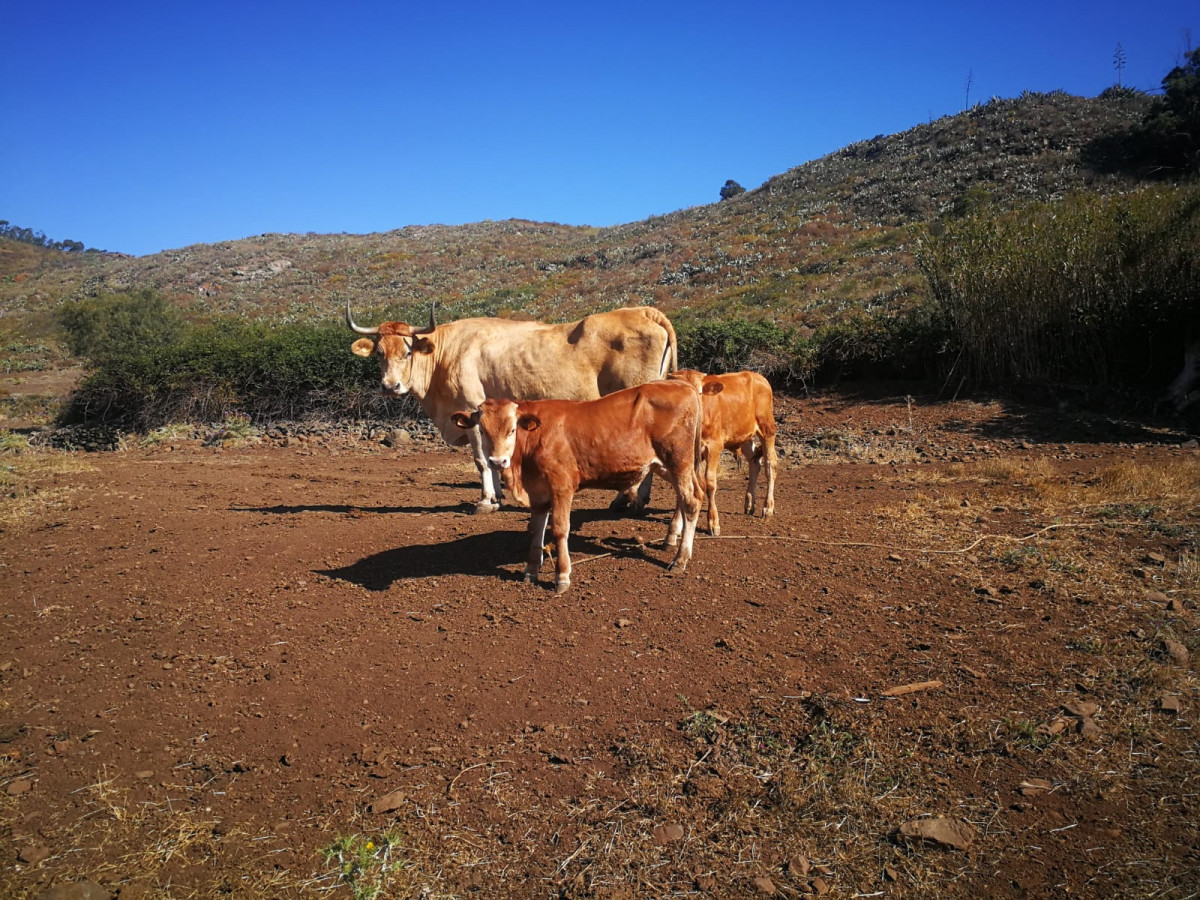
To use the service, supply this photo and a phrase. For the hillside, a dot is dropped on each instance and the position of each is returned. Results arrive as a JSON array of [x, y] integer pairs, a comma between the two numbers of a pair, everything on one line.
[[807, 247]]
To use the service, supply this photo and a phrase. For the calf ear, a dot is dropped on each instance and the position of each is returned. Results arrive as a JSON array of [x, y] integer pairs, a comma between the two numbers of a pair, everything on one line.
[[363, 347], [465, 421], [529, 422], [713, 388]]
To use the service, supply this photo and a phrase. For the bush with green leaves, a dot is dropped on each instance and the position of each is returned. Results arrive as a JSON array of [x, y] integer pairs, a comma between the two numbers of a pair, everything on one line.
[[212, 369], [99, 328], [1087, 290]]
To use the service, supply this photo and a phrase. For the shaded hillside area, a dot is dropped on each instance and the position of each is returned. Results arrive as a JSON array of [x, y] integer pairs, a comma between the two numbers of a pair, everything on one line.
[[809, 247]]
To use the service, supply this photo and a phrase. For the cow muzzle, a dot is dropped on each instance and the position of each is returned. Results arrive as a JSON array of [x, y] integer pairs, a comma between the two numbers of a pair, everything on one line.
[[499, 463]]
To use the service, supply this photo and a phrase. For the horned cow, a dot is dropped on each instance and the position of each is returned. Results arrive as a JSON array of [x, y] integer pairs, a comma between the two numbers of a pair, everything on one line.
[[547, 450], [739, 414], [460, 364]]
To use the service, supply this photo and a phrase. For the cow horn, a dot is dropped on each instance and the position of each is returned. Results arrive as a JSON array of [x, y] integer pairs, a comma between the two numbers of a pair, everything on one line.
[[357, 329], [432, 321]]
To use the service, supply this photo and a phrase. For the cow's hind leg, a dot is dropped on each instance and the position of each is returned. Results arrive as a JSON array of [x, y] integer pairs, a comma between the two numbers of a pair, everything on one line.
[[770, 463], [754, 458], [712, 465], [537, 540], [689, 500]]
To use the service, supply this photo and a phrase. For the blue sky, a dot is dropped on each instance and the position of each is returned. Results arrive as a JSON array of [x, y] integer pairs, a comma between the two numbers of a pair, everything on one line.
[[139, 127]]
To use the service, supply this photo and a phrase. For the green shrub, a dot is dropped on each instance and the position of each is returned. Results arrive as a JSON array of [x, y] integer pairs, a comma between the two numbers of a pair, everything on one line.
[[212, 370], [1089, 290], [120, 324]]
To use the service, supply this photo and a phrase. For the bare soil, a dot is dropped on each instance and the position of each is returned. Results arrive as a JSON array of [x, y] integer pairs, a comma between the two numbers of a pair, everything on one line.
[[218, 662]]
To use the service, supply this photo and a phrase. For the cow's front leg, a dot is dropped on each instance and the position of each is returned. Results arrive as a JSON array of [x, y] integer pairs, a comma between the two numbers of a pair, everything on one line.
[[488, 500], [561, 525], [537, 541]]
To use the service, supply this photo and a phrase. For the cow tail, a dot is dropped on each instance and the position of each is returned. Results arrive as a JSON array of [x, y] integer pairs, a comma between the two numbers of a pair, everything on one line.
[[670, 360]]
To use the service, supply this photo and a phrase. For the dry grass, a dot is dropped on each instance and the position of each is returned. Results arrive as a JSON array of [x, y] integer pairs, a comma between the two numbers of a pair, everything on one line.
[[33, 482]]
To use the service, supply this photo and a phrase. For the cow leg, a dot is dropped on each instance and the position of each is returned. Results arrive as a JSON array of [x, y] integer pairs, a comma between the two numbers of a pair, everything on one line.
[[690, 498], [487, 501], [712, 465], [537, 541], [561, 526], [634, 501], [754, 458], [770, 462]]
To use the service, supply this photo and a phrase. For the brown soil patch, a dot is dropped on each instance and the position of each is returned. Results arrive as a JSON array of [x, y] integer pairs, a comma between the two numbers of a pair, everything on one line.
[[217, 662]]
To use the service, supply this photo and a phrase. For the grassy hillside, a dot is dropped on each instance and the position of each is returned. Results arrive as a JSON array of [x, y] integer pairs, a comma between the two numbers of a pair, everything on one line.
[[809, 247]]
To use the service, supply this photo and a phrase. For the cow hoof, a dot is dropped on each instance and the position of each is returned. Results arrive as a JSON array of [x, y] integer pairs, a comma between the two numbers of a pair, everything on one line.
[[530, 578], [561, 587], [485, 506]]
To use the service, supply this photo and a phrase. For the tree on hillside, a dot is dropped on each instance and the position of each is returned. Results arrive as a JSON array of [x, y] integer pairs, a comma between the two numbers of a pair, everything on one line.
[[731, 189], [1172, 126]]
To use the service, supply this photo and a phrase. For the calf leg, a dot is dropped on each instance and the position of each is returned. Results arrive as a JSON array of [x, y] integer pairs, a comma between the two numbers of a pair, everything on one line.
[[561, 525], [689, 499], [770, 462], [537, 540], [754, 458], [712, 464]]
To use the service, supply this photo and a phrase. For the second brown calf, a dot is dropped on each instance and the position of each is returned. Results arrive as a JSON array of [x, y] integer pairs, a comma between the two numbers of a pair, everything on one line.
[[739, 414]]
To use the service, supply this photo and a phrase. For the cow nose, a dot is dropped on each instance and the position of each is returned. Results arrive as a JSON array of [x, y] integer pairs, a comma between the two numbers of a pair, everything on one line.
[[498, 462]]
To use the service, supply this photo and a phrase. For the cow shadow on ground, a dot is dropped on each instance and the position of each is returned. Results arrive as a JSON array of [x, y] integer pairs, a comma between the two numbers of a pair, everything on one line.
[[348, 508], [499, 553]]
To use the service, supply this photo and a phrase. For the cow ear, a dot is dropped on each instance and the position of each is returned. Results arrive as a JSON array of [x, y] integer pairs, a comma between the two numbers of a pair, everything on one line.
[[422, 345], [529, 422], [464, 420], [713, 388], [363, 347]]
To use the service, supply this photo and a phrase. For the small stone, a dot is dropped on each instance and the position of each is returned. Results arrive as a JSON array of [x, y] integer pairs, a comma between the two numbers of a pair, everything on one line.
[[890, 874], [819, 886], [705, 883], [34, 854], [623, 623], [18, 787], [764, 885], [1169, 704], [664, 834], [798, 866], [388, 802], [1176, 652], [1175, 605], [1031, 787], [1088, 727], [941, 832], [1156, 559], [144, 774], [1080, 709]]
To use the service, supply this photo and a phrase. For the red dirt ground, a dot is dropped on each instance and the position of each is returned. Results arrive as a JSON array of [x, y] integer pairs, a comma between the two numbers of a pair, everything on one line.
[[213, 661]]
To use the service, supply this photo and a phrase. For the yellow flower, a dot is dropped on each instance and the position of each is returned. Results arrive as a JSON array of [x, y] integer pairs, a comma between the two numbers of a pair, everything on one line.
[[370, 845]]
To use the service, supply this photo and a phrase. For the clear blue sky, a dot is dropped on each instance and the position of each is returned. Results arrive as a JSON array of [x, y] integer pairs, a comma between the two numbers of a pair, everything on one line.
[[138, 127]]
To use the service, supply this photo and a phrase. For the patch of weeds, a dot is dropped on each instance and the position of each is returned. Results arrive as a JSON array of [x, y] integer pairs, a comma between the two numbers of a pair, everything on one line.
[[167, 433], [13, 442], [1028, 734], [236, 428], [1018, 556], [1057, 564], [1127, 511], [364, 864], [1091, 645]]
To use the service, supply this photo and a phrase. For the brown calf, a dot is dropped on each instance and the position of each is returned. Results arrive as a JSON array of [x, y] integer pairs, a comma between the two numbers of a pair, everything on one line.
[[739, 413], [547, 450]]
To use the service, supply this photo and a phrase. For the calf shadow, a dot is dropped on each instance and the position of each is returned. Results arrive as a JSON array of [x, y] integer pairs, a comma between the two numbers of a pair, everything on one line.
[[501, 553], [290, 510]]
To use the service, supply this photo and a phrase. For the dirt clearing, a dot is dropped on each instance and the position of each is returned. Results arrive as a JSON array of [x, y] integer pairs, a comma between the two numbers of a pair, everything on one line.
[[958, 661]]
